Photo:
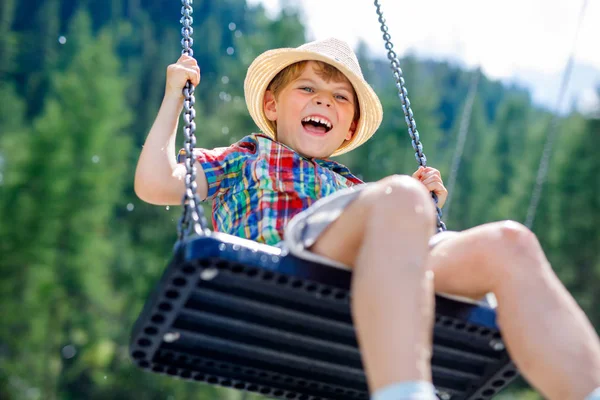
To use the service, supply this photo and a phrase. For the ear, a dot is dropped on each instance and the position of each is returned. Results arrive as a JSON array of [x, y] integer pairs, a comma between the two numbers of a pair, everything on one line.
[[352, 129], [270, 106]]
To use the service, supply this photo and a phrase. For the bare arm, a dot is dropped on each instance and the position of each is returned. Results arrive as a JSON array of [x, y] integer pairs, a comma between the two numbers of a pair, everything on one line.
[[158, 177]]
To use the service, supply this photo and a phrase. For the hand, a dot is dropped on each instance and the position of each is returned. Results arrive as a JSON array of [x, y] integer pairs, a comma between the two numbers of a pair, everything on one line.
[[432, 179], [186, 68]]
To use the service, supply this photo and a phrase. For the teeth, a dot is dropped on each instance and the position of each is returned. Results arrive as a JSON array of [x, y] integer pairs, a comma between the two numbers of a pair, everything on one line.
[[318, 120]]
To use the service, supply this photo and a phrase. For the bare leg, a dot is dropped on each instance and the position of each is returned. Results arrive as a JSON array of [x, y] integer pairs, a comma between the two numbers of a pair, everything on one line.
[[547, 334], [549, 337], [386, 232]]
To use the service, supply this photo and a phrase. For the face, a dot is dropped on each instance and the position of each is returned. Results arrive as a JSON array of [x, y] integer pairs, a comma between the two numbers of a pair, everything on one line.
[[314, 117]]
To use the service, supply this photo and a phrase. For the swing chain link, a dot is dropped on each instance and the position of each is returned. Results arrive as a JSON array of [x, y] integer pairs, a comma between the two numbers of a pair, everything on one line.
[[193, 219], [408, 114]]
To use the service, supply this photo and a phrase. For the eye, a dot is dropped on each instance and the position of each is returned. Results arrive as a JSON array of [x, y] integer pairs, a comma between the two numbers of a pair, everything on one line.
[[307, 89], [341, 97]]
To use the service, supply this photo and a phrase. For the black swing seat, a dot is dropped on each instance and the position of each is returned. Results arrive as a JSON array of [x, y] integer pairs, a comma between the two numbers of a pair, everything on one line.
[[234, 313]]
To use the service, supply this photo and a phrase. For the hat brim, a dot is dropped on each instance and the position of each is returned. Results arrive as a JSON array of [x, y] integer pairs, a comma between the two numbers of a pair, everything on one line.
[[266, 66]]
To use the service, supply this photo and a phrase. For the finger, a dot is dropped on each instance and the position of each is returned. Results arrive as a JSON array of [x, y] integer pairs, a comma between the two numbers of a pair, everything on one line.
[[433, 172], [189, 62], [417, 174], [183, 58], [191, 76], [430, 182], [196, 80], [437, 188], [431, 178]]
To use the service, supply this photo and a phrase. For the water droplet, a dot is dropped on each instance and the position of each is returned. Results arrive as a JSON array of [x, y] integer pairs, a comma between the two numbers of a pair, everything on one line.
[[95, 159], [167, 208], [62, 40], [225, 80], [170, 337], [209, 274], [238, 34], [1, 178], [69, 351], [230, 51], [225, 130], [130, 207], [232, 26], [104, 377]]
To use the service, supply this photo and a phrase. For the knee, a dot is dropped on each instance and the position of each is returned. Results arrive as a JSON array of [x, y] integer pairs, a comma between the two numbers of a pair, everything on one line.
[[401, 196], [513, 236], [510, 241]]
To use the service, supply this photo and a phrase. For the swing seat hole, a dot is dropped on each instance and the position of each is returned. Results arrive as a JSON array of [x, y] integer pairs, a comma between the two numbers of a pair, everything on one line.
[[157, 319], [179, 282], [188, 270], [151, 331]]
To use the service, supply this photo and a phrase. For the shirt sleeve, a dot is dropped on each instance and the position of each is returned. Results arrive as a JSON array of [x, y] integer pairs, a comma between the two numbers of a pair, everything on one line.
[[223, 166]]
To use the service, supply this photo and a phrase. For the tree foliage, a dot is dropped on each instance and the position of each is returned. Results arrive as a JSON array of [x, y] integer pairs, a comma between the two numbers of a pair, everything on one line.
[[80, 84]]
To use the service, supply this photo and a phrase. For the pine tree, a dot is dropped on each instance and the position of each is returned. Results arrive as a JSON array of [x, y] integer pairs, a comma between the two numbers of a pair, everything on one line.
[[60, 211], [572, 207]]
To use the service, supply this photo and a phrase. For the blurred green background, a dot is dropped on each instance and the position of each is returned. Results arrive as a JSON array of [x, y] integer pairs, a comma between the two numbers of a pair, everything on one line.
[[80, 84]]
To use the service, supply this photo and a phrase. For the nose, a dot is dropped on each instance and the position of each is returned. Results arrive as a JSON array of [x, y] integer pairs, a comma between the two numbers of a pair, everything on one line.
[[323, 100]]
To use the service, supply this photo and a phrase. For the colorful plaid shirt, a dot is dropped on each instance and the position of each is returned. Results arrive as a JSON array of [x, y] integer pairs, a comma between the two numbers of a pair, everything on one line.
[[257, 185]]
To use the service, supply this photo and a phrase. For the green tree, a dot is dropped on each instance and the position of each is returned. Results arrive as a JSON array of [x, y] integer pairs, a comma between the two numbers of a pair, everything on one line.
[[59, 208]]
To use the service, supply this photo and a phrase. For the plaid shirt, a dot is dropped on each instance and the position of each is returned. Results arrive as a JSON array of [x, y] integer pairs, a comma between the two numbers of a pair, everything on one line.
[[257, 185]]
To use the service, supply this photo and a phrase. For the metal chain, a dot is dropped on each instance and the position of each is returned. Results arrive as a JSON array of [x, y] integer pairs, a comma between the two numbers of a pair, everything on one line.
[[553, 127], [193, 219], [463, 130], [408, 114]]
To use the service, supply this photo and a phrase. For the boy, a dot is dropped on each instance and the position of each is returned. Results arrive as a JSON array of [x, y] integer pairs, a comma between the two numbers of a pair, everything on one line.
[[312, 102]]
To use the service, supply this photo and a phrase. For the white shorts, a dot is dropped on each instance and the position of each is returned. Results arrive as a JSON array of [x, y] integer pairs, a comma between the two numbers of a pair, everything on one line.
[[306, 227]]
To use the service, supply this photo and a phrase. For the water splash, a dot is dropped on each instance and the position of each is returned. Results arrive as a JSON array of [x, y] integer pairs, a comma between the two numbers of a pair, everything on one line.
[[62, 40]]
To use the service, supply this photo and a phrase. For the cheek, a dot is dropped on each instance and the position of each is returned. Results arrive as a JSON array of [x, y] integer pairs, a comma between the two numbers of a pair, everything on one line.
[[348, 115], [293, 109]]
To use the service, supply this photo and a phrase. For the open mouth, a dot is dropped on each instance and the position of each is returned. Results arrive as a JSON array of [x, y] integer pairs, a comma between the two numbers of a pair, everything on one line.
[[317, 125]]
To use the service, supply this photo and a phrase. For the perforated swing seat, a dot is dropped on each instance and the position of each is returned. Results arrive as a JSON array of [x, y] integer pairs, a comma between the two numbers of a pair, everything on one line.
[[235, 313]]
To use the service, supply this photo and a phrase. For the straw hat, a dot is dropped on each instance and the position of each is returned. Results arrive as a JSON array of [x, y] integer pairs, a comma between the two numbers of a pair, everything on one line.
[[331, 51]]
